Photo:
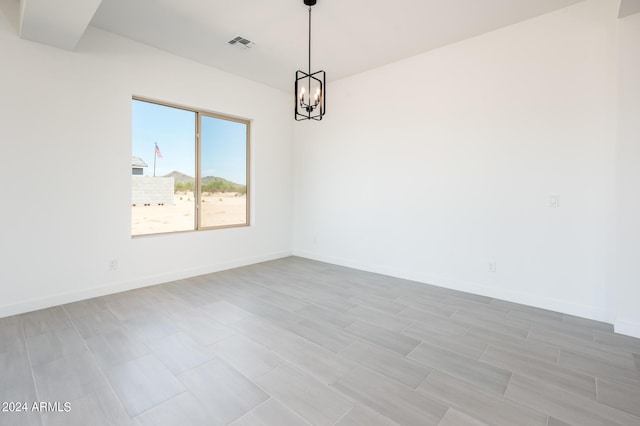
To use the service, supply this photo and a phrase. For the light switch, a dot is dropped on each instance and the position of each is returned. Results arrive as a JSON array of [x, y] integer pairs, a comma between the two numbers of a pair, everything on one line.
[[554, 200]]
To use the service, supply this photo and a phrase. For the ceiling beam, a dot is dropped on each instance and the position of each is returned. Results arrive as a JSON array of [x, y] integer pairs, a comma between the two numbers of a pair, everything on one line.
[[628, 7], [58, 23]]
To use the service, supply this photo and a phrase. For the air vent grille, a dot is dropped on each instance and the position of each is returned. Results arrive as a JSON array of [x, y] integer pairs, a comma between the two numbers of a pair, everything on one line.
[[242, 42]]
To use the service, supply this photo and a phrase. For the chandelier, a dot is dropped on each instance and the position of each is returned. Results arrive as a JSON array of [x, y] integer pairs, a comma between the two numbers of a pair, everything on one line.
[[310, 87]]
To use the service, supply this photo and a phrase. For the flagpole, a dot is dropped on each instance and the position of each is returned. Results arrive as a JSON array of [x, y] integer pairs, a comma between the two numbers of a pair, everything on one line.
[[155, 155]]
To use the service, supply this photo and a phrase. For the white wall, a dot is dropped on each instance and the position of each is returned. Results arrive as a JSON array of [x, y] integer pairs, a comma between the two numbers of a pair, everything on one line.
[[432, 167], [429, 168], [65, 168], [628, 178]]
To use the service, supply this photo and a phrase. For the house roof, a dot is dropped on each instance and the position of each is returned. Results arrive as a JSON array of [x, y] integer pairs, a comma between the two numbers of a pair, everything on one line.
[[138, 162]]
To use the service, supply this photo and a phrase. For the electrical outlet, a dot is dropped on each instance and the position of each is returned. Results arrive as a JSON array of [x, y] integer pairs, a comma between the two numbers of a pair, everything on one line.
[[492, 266], [113, 264]]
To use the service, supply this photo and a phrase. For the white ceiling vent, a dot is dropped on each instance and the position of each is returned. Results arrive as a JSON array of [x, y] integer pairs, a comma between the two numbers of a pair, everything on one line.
[[242, 42]]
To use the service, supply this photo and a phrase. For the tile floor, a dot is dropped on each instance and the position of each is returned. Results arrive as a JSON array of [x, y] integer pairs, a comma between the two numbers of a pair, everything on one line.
[[298, 342]]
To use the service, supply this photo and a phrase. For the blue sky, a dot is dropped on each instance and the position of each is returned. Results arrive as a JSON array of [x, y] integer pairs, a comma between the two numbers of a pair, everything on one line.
[[173, 129]]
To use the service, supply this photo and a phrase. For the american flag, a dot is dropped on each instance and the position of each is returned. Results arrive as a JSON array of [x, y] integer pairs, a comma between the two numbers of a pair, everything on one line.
[[158, 153]]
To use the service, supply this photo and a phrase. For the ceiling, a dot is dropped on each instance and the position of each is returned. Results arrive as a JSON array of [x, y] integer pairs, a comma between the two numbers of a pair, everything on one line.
[[348, 37]]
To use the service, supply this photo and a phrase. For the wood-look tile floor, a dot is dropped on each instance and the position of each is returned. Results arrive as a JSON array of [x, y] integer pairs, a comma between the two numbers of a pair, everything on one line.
[[298, 342]]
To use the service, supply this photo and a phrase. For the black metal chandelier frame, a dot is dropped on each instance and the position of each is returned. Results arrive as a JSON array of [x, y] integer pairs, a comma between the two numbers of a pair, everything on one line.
[[311, 108]]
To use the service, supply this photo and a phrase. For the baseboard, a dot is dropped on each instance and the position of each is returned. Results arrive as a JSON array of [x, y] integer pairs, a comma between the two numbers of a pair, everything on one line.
[[628, 328], [118, 287], [557, 305]]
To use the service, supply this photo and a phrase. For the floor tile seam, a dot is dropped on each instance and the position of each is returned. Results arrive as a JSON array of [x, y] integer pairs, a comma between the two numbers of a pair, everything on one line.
[[615, 350], [381, 326], [344, 333], [356, 338], [102, 372], [33, 375], [118, 363], [344, 415], [447, 348], [600, 360], [347, 347], [159, 404], [385, 349], [204, 403], [571, 331], [268, 350], [598, 379], [363, 340], [411, 324], [541, 320], [455, 353], [525, 403], [271, 397], [349, 398], [492, 395], [607, 377], [164, 364], [490, 324], [357, 402], [247, 336], [324, 386], [618, 380], [217, 342], [460, 406], [596, 402], [464, 379], [484, 352], [391, 314], [504, 393], [570, 335], [336, 354], [270, 304], [619, 350], [426, 378], [428, 309], [289, 360], [371, 370], [282, 362], [556, 386], [595, 346], [256, 282], [543, 362], [291, 409], [323, 321], [412, 350], [484, 328]]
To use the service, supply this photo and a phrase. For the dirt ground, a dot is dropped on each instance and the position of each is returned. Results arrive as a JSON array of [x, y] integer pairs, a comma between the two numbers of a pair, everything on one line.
[[218, 209]]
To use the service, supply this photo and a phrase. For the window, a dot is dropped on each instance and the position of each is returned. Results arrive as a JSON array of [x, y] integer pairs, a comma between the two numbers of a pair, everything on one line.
[[189, 169]]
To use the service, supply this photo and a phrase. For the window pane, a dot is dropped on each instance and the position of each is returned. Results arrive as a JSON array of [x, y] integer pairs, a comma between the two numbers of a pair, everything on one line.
[[163, 169], [223, 172]]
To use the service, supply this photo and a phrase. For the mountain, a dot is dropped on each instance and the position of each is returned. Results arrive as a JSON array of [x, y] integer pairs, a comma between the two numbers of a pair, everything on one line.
[[180, 177], [218, 184], [209, 183]]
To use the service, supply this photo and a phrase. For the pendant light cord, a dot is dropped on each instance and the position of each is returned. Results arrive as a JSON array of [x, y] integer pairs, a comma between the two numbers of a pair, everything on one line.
[[309, 42]]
